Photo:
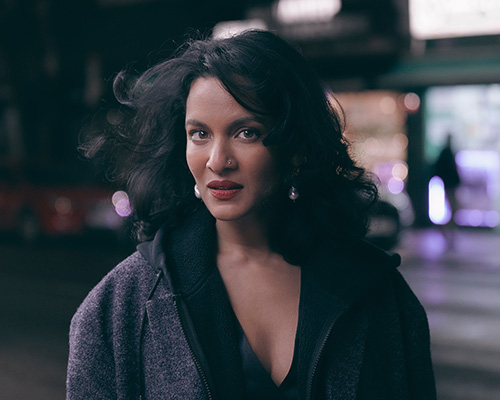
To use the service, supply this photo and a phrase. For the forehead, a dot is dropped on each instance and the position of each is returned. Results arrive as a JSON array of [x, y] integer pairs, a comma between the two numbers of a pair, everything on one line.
[[208, 98]]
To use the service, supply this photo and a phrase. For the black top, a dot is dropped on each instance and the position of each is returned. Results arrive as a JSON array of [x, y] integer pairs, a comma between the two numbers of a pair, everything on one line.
[[258, 383]]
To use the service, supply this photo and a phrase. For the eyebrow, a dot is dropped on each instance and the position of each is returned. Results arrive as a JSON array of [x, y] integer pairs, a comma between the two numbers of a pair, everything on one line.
[[233, 124]]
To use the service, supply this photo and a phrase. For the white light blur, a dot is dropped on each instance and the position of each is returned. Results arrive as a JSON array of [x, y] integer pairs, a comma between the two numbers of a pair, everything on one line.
[[439, 210], [400, 171], [227, 29], [411, 102], [488, 160], [304, 11], [122, 204], [432, 19]]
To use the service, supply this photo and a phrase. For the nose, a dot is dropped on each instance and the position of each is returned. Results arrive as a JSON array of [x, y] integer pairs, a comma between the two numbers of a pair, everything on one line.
[[221, 157]]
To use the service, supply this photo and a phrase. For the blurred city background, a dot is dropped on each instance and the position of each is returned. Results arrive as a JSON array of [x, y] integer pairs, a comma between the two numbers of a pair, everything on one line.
[[411, 75]]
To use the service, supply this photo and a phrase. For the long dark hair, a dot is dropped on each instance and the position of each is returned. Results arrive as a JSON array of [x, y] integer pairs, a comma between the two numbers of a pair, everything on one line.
[[267, 76]]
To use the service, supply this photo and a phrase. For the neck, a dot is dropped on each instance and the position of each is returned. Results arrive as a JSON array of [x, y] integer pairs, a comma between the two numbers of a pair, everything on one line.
[[242, 237]]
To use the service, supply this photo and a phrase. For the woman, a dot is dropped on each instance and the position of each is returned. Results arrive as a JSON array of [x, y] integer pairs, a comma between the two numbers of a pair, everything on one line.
[[255, 284]]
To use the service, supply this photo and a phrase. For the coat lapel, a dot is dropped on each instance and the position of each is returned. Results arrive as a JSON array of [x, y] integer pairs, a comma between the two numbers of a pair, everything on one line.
[[214, 322], [208, 315], [168, 342], [332, 281], [319, 310]]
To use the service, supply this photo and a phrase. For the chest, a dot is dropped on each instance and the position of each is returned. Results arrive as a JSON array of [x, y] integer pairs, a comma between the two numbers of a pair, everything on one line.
[[267, 308]]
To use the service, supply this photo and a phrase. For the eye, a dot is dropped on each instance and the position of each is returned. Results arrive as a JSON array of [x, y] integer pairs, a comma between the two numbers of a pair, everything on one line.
[[248, 134], [198, 135]]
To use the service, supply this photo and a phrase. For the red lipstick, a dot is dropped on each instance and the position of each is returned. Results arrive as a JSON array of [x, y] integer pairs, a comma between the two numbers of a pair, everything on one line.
[[224, 190]]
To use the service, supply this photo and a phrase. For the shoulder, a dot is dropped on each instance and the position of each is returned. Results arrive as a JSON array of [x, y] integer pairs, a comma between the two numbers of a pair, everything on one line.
[[105, 331], [390, 293], [350, 268], [386, 266], [354, 255], [119, 294], [130, 278], [409, 304], [358, 271]]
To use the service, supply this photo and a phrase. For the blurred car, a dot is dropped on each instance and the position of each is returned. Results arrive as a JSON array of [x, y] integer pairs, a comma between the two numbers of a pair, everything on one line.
[[392, 213], [40, 201], [384, 225]]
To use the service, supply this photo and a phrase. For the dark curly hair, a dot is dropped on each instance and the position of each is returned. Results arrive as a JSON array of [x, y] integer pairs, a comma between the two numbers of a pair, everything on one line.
[[269, 77]]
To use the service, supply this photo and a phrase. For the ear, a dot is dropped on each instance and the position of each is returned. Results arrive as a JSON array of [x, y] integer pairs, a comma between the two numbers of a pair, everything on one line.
[[298, 160]]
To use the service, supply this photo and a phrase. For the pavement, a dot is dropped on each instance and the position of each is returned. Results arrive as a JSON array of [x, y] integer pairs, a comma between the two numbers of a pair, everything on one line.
[[459, 287]]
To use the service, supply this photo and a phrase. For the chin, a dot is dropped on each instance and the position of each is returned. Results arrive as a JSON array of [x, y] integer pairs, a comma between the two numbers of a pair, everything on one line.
[[227, 216], [227, 212]]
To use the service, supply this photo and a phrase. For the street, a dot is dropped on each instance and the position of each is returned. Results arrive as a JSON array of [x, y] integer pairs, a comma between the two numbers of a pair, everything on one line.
[[460, 289], [41, 286]]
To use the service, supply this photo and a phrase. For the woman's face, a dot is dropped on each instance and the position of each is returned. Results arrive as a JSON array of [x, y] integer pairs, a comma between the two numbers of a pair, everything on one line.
[[234, 171]]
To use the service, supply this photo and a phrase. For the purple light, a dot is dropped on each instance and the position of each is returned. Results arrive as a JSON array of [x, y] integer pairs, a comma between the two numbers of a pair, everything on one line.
[[488, 160], [395, 185], [474, 217], [491, 218], [122, 204], [122, 208]]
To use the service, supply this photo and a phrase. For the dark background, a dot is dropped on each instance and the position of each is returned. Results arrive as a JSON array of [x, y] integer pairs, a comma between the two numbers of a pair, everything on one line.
[[58, 58]]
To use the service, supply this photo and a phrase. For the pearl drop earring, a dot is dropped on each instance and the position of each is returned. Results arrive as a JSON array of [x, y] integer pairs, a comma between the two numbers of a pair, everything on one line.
[[197, 192], [293, 193]]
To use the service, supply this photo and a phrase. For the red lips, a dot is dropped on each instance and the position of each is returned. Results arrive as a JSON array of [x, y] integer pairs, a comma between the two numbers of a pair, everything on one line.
[[224, 190]]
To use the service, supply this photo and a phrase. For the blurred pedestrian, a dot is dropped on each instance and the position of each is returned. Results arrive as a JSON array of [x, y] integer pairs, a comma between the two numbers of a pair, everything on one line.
[[251, 280], [446, 168]]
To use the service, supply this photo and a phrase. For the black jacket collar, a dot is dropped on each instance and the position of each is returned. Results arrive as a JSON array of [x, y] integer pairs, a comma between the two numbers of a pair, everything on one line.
[[186, 254], [346, 268]]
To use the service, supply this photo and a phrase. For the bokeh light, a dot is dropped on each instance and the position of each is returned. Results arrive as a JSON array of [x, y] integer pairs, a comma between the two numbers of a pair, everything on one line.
[[122, 204], [439, 211], [395, 185], [411, 102], [400, 171]]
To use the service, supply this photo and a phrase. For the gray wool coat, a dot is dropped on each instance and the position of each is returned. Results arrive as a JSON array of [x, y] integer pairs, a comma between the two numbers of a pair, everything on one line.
[[160, 326]]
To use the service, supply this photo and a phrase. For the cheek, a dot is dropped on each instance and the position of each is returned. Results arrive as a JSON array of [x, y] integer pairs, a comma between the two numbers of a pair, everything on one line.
[[268, 175], [193, 161]]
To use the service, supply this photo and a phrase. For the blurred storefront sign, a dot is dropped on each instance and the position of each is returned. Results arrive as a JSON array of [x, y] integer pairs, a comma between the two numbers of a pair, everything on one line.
[[471, 115], [306, 11], [376, 129], [433, 19], [453, 63]]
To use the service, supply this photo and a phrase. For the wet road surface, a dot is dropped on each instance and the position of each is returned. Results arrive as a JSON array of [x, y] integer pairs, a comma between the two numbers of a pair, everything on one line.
[[460, 290]]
